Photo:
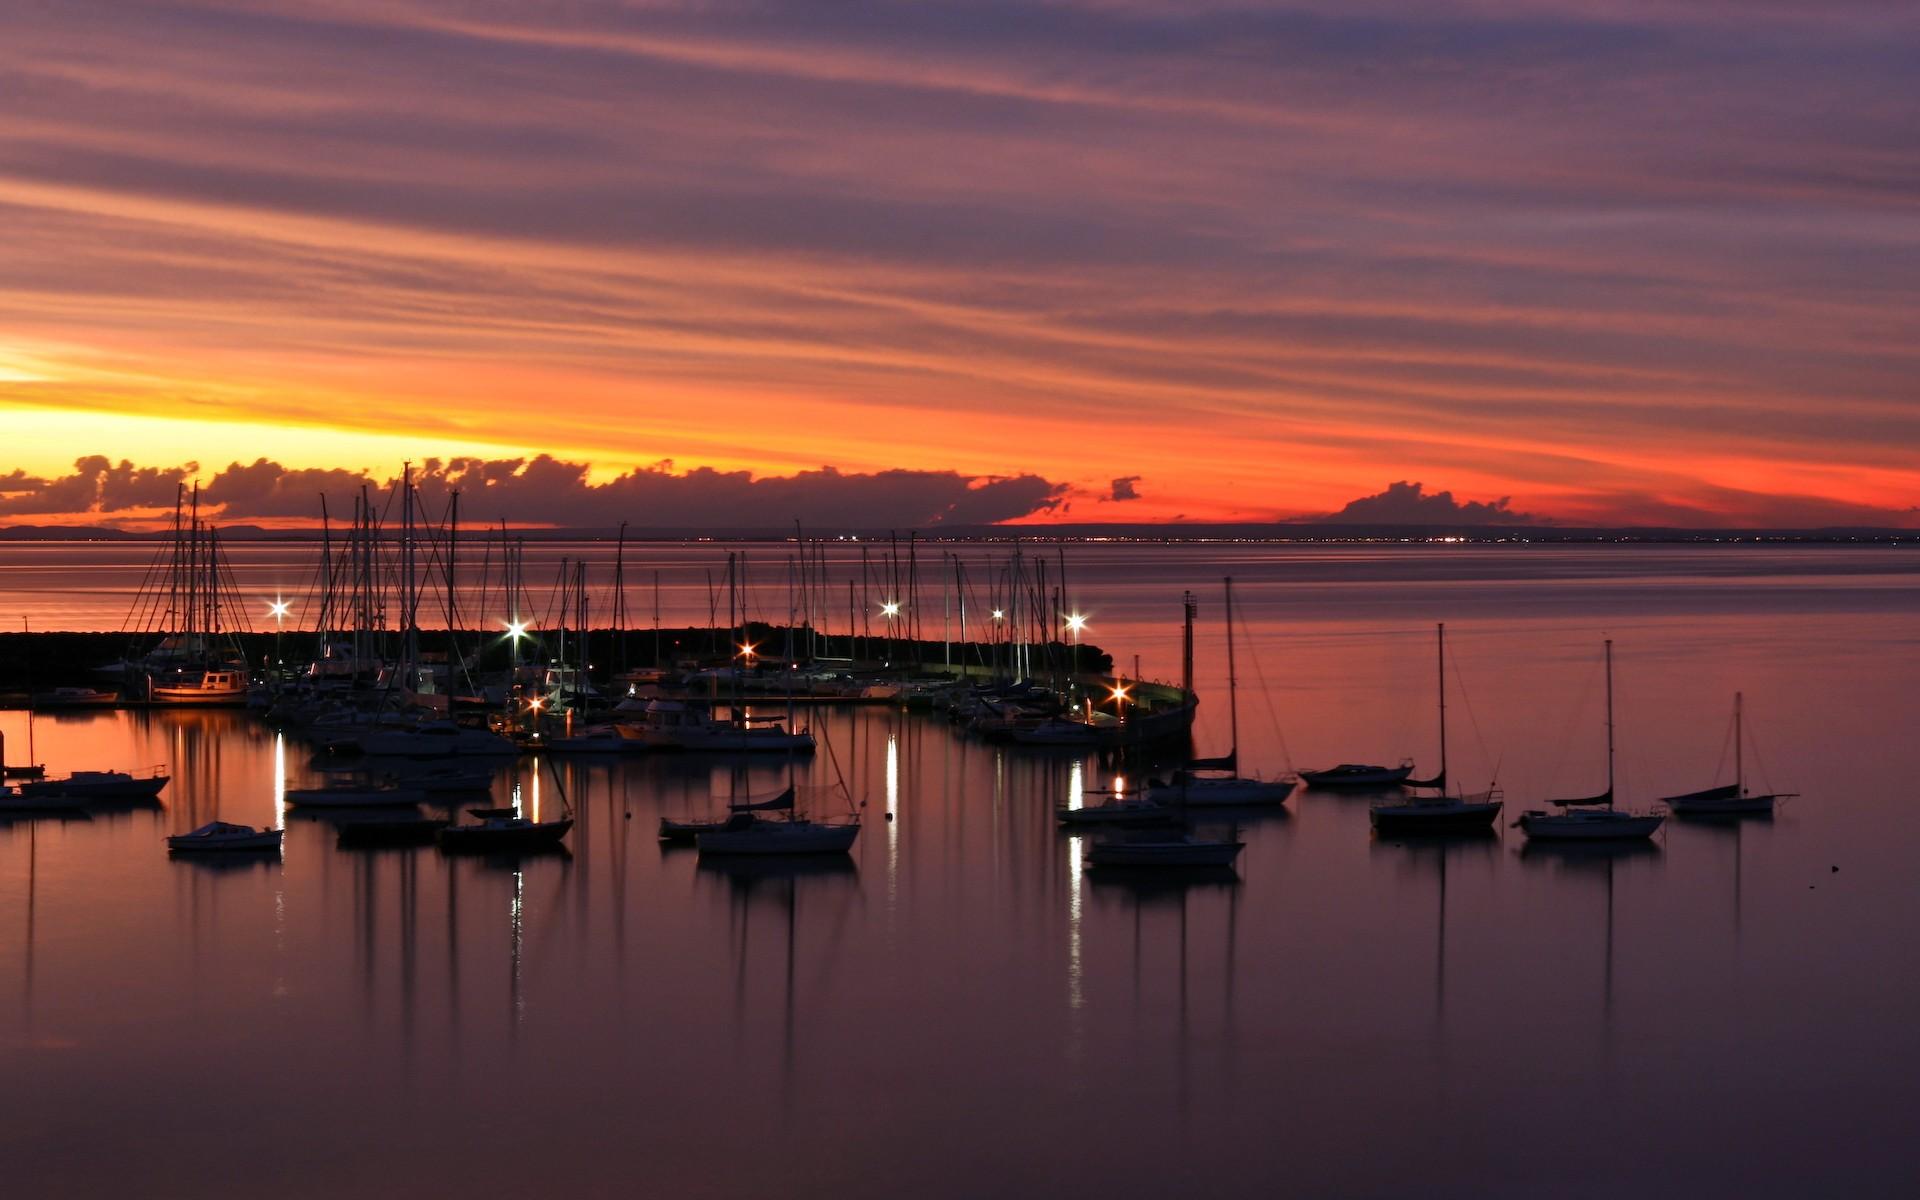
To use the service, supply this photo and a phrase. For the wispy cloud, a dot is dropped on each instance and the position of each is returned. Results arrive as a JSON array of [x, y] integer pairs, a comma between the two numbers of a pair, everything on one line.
[[1672, 249]]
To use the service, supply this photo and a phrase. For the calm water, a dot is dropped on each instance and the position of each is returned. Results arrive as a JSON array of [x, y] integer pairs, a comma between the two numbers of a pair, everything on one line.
[[961, 1011]]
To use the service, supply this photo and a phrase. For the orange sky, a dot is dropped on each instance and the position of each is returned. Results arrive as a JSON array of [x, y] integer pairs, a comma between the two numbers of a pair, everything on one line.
[[1266, 265]]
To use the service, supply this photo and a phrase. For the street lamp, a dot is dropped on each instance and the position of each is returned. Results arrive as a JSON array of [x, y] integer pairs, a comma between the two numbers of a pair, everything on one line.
[[278, 611], [516, 629]]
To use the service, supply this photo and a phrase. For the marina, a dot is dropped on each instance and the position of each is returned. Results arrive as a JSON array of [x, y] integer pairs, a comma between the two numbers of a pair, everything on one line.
[[964, 939]]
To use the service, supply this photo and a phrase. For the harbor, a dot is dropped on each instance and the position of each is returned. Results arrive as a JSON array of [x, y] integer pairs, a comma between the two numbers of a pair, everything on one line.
[[964, 934]]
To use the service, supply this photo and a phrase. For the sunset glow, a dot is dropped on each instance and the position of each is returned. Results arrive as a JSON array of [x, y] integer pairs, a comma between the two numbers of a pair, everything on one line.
[[1607, 262]]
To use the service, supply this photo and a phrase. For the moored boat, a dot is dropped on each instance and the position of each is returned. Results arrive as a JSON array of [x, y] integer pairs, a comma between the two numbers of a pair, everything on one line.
[[1732, 799], [354, 795], [224, 837], [1443, 813], [100, 785], [1164, 850], [1583, 820], [13, 801], [503, 833], [745, 833], [1358, 775], [1120, 810]]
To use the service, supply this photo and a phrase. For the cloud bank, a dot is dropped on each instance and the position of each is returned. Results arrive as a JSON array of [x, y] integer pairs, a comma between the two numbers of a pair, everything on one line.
[[1406, 503], [547, 491]]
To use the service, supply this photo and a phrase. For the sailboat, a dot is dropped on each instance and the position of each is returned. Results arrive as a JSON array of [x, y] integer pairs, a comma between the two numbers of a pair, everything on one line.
[[1441, 813], [745, 831], [1217, 782], [1733, 799], [1581, 819], [684, 832], [498, 831]]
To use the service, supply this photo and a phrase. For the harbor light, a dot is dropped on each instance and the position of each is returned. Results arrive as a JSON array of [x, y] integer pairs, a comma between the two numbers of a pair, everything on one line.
[[278, 610], [890, 609], [1119, 693], [1075, 623], [516, 629], [747, 651], [999, 614]]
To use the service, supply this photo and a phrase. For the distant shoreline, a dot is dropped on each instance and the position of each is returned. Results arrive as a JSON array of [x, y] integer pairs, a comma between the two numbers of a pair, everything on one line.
[[1266, 534]]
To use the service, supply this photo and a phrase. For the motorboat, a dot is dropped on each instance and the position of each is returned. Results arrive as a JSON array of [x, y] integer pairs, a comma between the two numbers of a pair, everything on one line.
[[224, 837], [211, 686]]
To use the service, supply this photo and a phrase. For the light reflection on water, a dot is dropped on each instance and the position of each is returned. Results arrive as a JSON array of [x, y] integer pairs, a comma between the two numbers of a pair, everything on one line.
[[959, 1008]]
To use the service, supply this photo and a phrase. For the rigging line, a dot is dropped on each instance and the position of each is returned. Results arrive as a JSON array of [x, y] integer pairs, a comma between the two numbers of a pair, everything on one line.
[[1266, 693], [1473, 720], [1726, 752], [1559, 759]]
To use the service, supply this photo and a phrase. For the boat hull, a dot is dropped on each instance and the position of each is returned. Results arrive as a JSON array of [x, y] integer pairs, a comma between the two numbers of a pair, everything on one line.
[[776, 837], [1174, 853], [256, 844], [125, 788], [1589, 826], [480, 839], [1435, 818], [1335, 780], [1738, 806]]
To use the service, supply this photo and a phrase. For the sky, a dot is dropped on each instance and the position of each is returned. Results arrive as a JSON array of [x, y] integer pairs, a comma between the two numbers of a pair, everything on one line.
[[1574, 261]]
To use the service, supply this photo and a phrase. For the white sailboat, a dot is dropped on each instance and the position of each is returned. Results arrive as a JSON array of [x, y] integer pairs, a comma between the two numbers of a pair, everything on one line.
[[1440, 813], [1582, 819], [1733, 799], [1217, 783]]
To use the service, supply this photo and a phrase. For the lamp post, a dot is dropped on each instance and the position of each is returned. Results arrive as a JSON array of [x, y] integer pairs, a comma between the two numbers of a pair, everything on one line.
[[278, 611]]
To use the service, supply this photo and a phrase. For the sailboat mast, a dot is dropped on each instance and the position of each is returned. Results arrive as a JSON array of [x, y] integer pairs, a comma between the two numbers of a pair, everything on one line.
[[1233, 685], [1609, 723], [1440, 634], [1739, 772]]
